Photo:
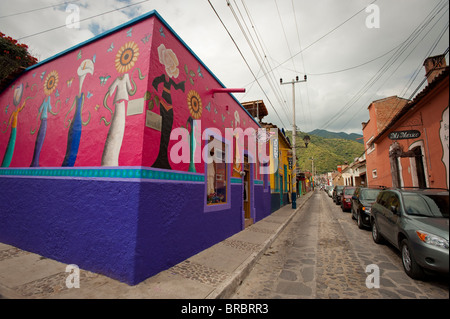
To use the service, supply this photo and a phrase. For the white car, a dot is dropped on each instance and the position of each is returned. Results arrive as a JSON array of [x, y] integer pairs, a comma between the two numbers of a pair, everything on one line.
[[330, 190]]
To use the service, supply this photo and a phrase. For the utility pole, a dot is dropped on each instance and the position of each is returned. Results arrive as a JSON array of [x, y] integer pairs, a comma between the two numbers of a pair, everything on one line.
[[294, 132]]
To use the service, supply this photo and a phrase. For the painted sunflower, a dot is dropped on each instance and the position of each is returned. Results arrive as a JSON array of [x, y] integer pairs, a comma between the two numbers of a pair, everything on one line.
[[51, 81], [195, 104], [126, 57]]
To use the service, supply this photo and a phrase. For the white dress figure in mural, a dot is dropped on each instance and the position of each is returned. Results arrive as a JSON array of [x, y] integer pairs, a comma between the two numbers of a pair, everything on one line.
[[123, 87], [115, 135]]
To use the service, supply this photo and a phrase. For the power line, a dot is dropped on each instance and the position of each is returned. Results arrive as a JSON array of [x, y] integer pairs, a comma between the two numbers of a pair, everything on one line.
[[256, 52], [242, 55], [38, 9], [261, 61], [81, 20], [269, 74], [303, 63], [325, 35], [388, 63], [413, 77], [320, 38]]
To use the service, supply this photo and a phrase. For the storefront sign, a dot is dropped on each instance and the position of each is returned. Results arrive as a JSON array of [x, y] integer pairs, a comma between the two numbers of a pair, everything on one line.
[[403, 135]]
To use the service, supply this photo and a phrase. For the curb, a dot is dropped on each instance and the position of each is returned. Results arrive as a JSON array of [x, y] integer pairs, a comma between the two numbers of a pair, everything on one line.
[[228, 287]]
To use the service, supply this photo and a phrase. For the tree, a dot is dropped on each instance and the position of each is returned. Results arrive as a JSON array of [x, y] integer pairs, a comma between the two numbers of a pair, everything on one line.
[[14, 58]]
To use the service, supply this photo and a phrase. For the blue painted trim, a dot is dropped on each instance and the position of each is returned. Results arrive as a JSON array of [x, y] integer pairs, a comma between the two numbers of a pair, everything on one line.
[[104, 173], [236, 180]]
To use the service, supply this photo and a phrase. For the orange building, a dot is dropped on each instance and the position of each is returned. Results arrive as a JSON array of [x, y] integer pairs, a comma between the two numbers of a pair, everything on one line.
[[407, 141]]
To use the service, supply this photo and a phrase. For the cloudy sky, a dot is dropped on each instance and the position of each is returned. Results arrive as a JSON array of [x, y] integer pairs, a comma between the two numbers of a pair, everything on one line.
[[351, 51]]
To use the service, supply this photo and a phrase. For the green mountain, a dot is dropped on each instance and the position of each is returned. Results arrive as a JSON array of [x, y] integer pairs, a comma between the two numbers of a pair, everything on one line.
[[328, 153], [340, 135]]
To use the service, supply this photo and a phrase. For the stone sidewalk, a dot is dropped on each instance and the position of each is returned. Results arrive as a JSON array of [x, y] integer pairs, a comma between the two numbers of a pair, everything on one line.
[[212, 273]]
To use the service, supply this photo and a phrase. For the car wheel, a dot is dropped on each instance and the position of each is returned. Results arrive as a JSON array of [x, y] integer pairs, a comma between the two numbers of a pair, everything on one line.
[[376, 236], [359, 221], [411, 267], [353, 212]]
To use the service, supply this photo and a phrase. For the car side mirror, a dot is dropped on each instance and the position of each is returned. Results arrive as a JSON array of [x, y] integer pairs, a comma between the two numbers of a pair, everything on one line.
[[394, 210], [354, 197]]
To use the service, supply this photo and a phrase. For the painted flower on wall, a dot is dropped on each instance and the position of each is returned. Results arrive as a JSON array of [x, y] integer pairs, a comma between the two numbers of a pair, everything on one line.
[[195, 104], [126, 57], [51, 82], [170, 61]]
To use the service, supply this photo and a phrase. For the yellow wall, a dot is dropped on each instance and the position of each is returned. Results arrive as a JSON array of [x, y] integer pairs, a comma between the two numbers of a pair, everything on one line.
[[283, 163]]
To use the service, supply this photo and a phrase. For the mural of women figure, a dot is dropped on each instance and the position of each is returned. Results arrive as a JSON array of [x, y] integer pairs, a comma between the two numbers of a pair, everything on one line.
[[125, 59], [49, 86], [170, 61], [13, 122], [73, 139]]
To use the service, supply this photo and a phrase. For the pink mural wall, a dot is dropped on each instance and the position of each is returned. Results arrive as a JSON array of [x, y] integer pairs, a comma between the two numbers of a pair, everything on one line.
[[113, 102], [63, 110]]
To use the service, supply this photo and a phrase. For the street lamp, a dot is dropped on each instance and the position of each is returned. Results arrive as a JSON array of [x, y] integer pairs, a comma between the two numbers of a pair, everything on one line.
[[306, 139]]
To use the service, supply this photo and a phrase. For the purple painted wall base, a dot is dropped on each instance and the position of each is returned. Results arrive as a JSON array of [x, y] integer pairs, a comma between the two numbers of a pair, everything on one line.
[[127, 230], [92, 224]]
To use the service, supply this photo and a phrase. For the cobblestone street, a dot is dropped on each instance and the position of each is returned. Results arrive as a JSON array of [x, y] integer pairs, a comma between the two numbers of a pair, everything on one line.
[[323, 255]]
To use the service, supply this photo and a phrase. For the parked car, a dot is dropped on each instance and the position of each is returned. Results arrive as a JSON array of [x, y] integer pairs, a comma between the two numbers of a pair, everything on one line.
[[329, 190], [362, 201], [415, 222], [346, 197], [337, 192]]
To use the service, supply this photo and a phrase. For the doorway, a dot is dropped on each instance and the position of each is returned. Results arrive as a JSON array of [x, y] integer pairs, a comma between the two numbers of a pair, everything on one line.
[[420, 171]]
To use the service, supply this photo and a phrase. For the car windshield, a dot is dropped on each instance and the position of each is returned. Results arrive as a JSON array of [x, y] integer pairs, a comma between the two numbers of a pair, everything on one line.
[[426, 205], [370, 194], [349, 191]]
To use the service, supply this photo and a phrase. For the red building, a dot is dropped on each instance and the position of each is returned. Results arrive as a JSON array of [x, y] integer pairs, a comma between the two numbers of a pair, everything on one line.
[[407, 141]]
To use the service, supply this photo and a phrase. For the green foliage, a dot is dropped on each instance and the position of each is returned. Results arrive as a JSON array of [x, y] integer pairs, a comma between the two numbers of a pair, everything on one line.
[[328, 153], [340, 135], [13, 57]]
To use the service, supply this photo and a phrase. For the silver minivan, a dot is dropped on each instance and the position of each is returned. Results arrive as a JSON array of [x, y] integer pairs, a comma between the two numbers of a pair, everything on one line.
[[417, 223]]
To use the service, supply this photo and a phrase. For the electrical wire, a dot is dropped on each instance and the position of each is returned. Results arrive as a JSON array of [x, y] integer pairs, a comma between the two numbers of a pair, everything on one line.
[[38, 9], [279, 64], [387, 64], [255, 52], [270, 74], [304, 68], [325, 35], [413, 76], [81, 20], [245, 60]]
